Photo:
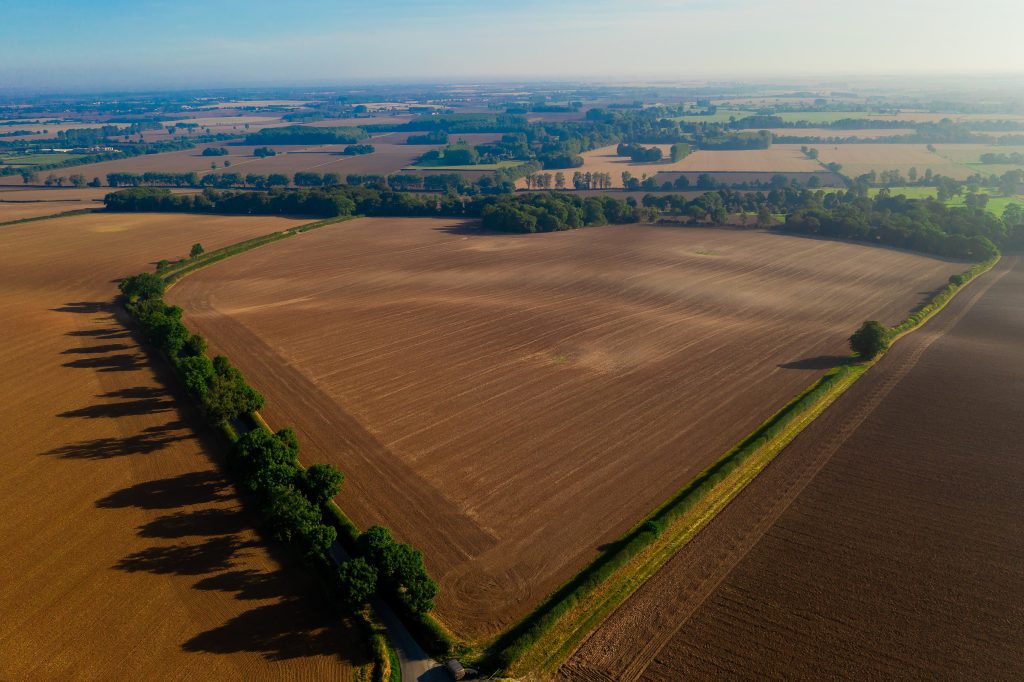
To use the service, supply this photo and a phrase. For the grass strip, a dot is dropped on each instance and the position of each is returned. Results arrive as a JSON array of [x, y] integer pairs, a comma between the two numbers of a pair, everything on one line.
[[176, 271], [63, 214]]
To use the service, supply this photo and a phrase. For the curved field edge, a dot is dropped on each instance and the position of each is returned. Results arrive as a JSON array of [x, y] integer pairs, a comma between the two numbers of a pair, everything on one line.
[[552, 631]]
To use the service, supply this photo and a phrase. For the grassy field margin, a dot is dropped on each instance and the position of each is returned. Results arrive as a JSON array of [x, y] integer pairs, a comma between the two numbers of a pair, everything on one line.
[[62, 214], [551, 632]]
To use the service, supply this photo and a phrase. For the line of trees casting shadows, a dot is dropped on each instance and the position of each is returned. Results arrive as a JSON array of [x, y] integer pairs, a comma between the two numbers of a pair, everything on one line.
[[292, 500]]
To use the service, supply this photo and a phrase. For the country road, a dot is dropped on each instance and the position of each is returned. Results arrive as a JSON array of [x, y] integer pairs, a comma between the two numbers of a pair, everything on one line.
[[414, 661]]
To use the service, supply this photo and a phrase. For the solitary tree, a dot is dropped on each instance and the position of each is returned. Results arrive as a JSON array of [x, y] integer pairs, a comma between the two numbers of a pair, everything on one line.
[[871, 339], [197, 250]]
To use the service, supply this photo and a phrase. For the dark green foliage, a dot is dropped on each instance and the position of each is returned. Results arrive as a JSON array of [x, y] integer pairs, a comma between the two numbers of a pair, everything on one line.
[[638, 153], [357, 149], [358, 580], [919, 225], [196, 373], [870, 340], [321, 482], [263, 152], [433, 137], [142, 286], [680, 151], [215, 151], [400, 569], [196, 250], [306, 135]]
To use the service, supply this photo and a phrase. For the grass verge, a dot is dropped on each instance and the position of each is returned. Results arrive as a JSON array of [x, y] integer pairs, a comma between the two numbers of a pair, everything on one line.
[[62, 214]]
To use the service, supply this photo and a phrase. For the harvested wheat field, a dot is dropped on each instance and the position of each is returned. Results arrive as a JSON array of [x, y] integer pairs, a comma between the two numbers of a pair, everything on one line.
[[126, 552], [883, 543], [511, 403], [778, 158], [857, 159]]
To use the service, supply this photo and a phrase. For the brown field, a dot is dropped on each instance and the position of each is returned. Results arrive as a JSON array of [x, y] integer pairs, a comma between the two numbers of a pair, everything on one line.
[[858, 159], [16, 204], [779, 158], [389, 157], [126, 553], [511, 403], [864, 134], [883, 543]]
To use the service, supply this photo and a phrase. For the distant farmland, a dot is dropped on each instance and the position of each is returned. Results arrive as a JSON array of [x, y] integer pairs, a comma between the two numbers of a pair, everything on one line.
[[511, 403], [775, 159]]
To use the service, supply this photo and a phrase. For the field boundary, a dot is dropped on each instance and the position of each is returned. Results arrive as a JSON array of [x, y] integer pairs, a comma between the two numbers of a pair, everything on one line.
[[553, 630], [62, 214]]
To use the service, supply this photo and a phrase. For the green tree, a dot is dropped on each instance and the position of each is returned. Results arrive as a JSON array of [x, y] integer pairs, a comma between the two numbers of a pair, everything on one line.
[[358, 580], [197, 250], [322, 482], [871, 339], [145, 285]]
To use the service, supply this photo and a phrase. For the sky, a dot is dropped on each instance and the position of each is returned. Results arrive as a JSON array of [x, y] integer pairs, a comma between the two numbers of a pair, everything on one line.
[[152, 44]]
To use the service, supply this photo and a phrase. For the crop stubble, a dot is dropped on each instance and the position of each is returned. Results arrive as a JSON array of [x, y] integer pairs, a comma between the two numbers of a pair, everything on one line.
[[126, 553], [883, 542], [511, 403]]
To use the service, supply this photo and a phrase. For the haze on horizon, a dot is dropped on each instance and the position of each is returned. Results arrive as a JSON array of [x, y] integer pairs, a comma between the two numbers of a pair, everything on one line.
[[154, 44]]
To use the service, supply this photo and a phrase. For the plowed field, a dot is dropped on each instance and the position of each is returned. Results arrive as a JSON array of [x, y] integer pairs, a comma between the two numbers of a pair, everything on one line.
[[883, 543], [511, 403]]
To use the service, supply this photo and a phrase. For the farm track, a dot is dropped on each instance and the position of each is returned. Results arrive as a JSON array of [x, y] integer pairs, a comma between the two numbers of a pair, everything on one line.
[[127, 554], [442, 370], [644, 637]]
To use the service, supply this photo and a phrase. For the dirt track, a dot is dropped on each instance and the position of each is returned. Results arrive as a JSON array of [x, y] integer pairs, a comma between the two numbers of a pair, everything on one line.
[[511, 403], [883, 543], [126, 554]]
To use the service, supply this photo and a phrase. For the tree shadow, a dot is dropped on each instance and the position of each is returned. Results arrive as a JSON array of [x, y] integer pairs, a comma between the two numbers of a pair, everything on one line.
[[278, 630], [125, 408], [122, 362], [85, 307], [203, 522], [818, 362], [246, 584], [195, 487], [148, 441], [104, 334], [213, 554], [89, 350]]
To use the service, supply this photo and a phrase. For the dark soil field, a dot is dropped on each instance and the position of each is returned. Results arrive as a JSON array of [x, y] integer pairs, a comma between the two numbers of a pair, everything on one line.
[[884, 543], [511, 403], [127, 554]]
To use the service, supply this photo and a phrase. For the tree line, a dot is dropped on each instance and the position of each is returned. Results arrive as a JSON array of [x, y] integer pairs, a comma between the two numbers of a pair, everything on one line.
[[291, 499]]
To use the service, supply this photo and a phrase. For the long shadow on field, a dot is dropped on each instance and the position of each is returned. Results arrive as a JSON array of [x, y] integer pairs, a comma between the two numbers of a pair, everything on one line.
[[817, 362], [122, 362], [204, 522], [102, 334], [125, 408], [195, 487], [93, 350], [149, 440], [85, 307], [280, 631], [213, 546]]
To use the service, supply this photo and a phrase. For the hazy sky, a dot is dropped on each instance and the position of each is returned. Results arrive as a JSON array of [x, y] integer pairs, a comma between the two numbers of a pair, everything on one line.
[[153, 44]]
